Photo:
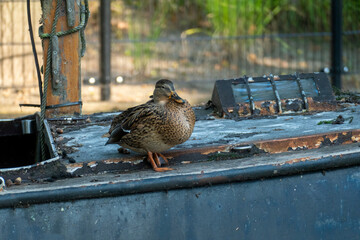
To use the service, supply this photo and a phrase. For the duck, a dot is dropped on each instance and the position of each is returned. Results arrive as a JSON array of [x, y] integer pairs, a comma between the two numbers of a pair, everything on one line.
[[163, 122]]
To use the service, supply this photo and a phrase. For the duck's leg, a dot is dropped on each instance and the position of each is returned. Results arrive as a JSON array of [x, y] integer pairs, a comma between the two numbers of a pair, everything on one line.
[[165, 159], [154, 166], [157, 160]]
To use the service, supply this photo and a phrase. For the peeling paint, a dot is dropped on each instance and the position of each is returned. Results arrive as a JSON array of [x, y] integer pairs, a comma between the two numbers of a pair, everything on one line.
[[297, 160], [133, 160], [355, 138], [308, 142], [71, 168], [216, 149], [333, 138], [112, 161], [92, 164]]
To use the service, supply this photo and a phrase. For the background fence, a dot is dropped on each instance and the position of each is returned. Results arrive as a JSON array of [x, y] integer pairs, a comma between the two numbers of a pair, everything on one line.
[[193, 41]]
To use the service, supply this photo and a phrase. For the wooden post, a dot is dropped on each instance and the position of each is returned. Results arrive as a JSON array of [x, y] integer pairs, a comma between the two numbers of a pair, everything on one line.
[[65, 84]]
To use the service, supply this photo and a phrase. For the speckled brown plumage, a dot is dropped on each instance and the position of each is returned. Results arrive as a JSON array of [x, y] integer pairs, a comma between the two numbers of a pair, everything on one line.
[[161, 123]]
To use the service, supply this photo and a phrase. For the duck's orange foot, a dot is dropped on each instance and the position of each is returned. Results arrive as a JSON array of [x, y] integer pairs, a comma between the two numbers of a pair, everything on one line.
[[158, 157], [156, 164], [162, 169], [164, 158]]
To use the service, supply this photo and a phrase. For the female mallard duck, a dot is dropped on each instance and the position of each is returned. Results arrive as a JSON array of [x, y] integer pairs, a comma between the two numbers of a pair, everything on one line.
[[161, 123]]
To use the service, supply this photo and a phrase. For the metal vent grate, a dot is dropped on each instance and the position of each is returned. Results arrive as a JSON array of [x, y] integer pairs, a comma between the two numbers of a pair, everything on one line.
[[270, 95]]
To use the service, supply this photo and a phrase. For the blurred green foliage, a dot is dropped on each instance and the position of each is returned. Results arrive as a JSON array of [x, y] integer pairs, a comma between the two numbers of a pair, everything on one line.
[[236, 17], [144, 22]]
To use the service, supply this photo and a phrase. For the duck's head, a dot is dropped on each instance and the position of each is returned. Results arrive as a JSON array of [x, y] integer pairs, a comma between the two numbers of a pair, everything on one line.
[[165, 91]]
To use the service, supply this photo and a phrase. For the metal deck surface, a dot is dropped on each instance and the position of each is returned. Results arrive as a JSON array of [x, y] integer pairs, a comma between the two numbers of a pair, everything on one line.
[[90, 145]]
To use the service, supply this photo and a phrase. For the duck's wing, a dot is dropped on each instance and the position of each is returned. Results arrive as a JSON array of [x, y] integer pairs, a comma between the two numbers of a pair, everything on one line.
[[128, 120]]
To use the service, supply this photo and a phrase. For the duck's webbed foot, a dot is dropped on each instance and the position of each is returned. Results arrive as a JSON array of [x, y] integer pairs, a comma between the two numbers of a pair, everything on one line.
[[158, 157], [156, 164], [164, 158]]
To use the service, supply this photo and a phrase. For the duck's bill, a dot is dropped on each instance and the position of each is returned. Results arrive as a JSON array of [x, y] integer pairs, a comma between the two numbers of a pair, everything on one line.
[[176, 98]]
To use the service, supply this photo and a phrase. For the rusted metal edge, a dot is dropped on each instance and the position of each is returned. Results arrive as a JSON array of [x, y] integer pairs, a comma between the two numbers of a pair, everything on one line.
[[111, 189]]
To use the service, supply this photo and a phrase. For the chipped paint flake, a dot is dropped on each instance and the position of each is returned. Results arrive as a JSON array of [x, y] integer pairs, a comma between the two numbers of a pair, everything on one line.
[[333, 138], [111, 161], [92, 164], [132, 160], [355, 138], [71, 168], [186, 162]]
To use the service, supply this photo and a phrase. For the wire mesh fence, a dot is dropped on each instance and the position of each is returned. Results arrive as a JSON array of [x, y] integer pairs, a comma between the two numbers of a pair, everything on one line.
[[192, 41], [16, 60]]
